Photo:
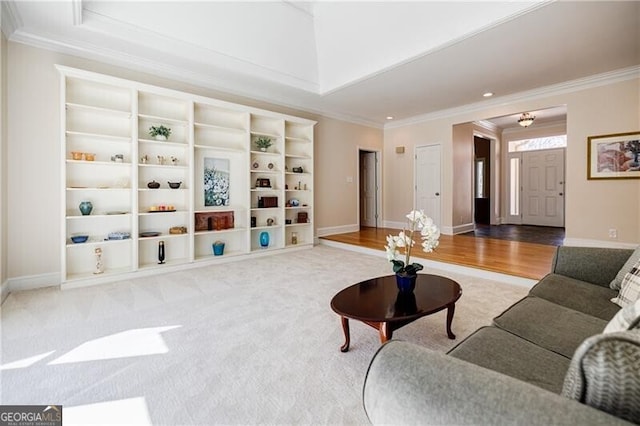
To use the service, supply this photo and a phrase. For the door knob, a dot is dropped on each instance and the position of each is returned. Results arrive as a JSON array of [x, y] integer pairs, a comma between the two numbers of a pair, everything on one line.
[[437, 194], [561, 193]]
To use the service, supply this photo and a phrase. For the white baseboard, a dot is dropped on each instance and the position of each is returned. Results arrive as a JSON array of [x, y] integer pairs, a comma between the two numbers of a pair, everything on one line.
[[583, 242], [458, 229], [31, 282], [394, 225], [4, 291], [342, 229]]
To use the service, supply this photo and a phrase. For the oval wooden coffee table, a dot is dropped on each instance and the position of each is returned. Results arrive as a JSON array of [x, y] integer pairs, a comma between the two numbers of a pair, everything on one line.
[[378, 303]]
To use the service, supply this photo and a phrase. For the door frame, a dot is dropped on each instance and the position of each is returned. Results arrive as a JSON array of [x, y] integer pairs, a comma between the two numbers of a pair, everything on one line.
[[378, 167], [415, 176]]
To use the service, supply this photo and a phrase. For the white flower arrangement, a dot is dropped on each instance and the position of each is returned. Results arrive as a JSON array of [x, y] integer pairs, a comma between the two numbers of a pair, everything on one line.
[[429, 233]]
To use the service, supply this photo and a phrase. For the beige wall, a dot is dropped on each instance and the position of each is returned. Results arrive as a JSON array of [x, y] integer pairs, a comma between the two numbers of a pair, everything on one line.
[[34, 149], [336, 161], [463, 163], [592, 207]]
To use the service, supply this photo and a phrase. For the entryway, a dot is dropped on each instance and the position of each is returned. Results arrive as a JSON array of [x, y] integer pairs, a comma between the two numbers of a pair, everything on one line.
[[369, 188], [536, 187]]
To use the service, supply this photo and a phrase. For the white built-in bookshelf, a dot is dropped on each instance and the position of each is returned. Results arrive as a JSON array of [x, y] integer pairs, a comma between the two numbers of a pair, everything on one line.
[[231, 191]]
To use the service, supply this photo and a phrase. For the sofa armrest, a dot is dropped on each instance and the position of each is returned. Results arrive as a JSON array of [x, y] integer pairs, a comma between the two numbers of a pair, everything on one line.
[[409, 384], [595, 265]]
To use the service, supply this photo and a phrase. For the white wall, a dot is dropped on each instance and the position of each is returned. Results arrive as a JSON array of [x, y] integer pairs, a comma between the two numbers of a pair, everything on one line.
[[592, 207], [3, 168]]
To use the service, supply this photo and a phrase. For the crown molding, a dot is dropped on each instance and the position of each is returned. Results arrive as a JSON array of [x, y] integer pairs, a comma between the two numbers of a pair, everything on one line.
[[182, 75], [597, 80], [11, 20], [487, 125]]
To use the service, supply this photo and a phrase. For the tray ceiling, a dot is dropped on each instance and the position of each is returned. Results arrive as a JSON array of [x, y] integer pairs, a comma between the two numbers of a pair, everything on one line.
[[361, 61]]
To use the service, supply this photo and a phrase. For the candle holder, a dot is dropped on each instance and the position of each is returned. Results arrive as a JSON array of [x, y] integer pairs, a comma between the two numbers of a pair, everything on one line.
[[160, 252]]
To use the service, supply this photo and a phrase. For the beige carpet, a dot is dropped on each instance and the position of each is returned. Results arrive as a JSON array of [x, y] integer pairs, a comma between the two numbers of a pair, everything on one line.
[[252, 342]]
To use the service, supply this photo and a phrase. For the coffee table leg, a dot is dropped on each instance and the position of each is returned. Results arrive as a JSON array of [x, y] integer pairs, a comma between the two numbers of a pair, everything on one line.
[[450, 311], [386, 333], [347, 337]]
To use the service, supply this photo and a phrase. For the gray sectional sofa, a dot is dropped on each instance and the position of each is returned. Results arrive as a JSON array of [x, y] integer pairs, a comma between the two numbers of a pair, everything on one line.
[[513, 371]]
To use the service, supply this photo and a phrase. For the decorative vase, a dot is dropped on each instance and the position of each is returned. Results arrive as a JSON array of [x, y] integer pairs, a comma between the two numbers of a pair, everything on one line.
[[406, 283], [263, 149], [160, 137], [218, 248], [160, 252], [85, 208], [264, 239]]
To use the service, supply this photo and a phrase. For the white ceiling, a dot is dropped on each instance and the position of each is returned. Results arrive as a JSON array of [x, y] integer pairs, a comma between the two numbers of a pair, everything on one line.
[[360, 61]]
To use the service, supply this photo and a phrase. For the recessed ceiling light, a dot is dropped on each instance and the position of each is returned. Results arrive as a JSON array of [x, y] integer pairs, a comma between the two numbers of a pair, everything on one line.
[[487, 94], [389, 117]]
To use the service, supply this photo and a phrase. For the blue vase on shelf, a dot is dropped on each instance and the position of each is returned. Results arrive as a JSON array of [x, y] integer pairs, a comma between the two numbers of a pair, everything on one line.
[[264, 239], [85, 208]]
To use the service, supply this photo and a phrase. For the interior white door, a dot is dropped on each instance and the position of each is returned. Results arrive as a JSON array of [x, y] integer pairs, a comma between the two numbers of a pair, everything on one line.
[[427, 176], [368, 189], [543, 187]]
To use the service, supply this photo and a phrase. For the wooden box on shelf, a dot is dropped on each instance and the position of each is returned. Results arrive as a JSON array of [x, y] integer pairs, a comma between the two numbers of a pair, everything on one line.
[[267, 202], [303, 217], [214, 221]]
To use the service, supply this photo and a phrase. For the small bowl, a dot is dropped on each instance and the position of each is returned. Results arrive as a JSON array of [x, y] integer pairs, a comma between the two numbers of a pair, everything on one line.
[[76, 155], [89, 157], [174, 185], [79, 239]]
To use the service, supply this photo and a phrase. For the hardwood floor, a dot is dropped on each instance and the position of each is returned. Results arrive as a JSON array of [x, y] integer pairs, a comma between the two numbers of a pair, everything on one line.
[[521, 259]]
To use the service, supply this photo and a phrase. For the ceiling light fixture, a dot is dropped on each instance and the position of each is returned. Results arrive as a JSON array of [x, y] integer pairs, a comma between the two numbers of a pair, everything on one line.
[[487, 94], [526, 119], [389, 117]]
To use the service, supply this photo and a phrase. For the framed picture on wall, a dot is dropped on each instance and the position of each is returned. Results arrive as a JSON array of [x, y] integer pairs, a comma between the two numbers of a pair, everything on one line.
[[615, 156]]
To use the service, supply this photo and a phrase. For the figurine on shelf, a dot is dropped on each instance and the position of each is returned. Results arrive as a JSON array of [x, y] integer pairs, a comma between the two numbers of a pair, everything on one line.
[[99, 266], [144, 159], [174, 160], [161, 160]]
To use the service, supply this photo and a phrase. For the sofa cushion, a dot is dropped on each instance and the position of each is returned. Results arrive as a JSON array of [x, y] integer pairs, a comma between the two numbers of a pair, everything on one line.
[[551, 326], [577, 295], [506, 353], [604, 374], [628, 317], [630, 290], [616, 283]]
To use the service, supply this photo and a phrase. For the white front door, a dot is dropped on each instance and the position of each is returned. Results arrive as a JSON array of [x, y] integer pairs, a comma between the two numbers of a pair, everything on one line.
[[543, 187], [368, 189], [427, 176]]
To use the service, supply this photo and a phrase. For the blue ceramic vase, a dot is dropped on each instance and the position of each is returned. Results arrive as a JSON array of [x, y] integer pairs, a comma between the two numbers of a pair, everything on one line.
[[264, 239], [85, 207]]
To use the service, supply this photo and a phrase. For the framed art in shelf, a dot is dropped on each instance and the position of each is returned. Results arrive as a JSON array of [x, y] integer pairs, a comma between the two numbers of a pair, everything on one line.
[[615, 156], [216, 181]]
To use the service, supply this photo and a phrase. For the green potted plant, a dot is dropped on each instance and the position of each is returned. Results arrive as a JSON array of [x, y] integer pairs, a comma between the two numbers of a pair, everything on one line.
[[263, 143], [160, 132]]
